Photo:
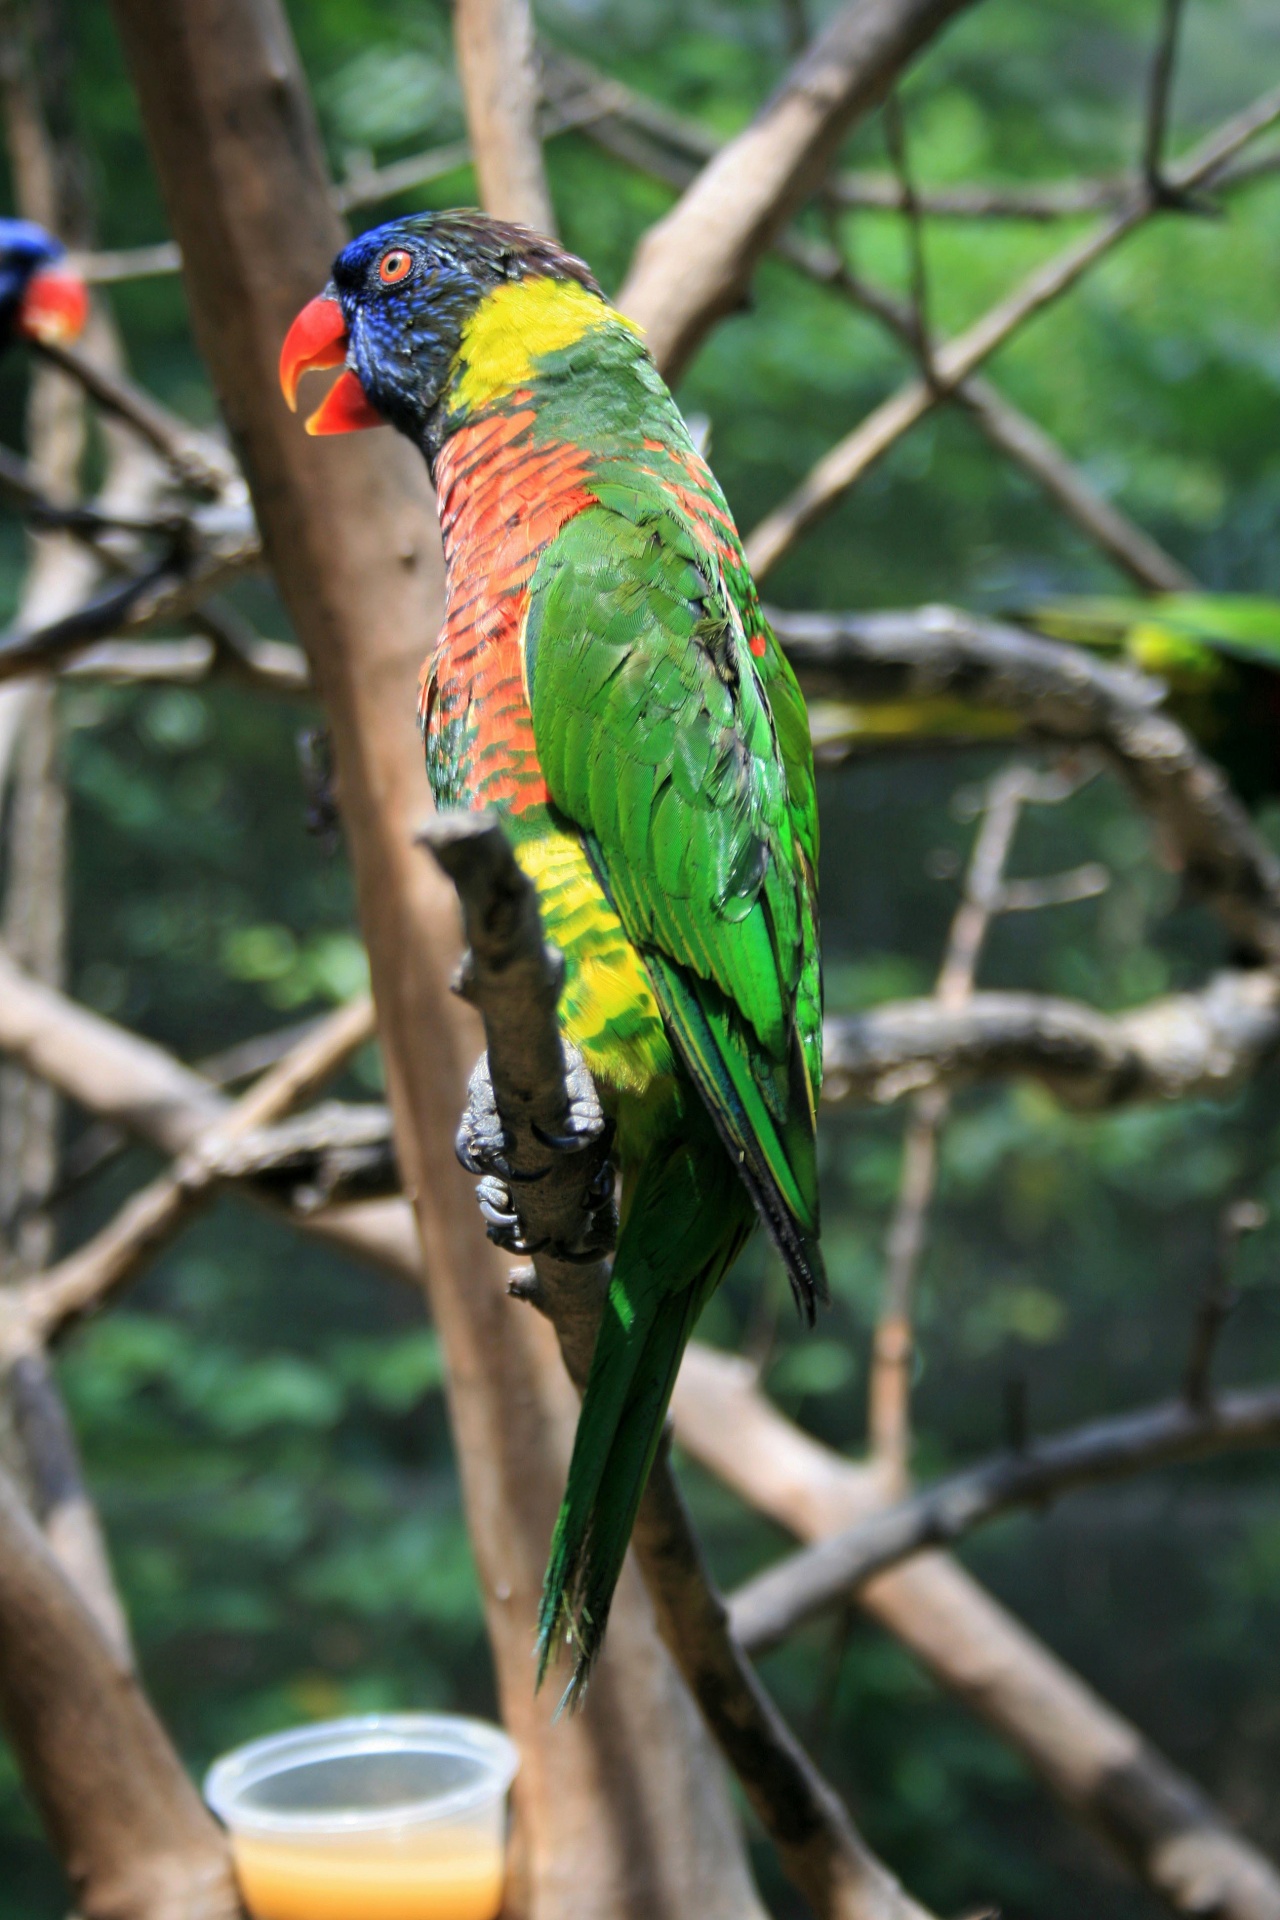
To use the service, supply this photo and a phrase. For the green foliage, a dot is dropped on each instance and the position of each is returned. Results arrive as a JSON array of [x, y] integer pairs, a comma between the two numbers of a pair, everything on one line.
[[263, 1423]]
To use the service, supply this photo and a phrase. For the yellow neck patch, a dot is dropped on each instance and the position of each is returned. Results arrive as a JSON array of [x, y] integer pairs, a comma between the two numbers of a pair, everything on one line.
[[515, 326]]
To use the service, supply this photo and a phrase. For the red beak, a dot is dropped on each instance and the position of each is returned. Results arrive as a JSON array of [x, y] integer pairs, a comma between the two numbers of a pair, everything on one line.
[[318, 340], [54, 307]]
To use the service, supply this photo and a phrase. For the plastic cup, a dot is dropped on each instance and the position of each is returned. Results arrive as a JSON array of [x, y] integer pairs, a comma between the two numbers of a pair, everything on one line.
[[398, 1816]]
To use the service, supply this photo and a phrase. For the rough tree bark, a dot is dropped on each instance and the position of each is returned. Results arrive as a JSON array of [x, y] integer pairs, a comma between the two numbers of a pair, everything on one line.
[[350, 531]]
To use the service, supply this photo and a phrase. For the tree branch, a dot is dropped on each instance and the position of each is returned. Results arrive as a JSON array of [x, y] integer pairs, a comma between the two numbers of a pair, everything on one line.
[[32, 1311], [494, 44], [624, 127], [696, 263], [59, 1499], [124, 1819], [1063, 695], [1093, 1760], [776, 1602], [1182, 1046], [852, 457], [196, 460], [510, 978]]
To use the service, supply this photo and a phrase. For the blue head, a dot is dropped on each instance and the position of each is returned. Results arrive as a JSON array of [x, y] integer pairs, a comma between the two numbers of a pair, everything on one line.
[[395, 311]]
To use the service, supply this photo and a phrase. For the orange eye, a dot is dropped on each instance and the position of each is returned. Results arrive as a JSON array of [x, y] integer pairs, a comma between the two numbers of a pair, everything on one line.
[[394, 266]]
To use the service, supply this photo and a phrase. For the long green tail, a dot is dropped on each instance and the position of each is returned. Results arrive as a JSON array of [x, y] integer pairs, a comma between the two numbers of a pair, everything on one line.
[[683, 1228]]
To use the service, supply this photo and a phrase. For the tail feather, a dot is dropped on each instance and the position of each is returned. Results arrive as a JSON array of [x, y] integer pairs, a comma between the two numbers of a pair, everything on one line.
[[662, 1278], [594, 1527]]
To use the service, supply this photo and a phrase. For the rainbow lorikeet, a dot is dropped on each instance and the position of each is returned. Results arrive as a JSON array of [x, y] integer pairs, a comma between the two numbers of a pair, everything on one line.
[[39, 298], [606, 680]]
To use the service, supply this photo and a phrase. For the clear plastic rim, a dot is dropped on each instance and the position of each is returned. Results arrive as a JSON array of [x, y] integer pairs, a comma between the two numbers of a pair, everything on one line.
[[229, 1778]]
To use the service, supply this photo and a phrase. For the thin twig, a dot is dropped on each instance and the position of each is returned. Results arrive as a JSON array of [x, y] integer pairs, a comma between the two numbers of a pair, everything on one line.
[[919, 332], [1159, 93], [1010, 430], [981, 899], [199, 462], [846, 463], [777, 1602], [1218, 1303]]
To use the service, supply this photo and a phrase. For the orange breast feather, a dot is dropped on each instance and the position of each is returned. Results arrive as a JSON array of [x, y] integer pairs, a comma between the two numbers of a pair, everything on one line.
[[502, 500]]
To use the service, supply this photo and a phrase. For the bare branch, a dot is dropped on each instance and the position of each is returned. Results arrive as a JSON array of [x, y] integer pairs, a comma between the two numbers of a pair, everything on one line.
[[510, 979], [1097, 1764], [33, 1311], [851, 458], [778, 1601], [1062, 695], [696, 264], [59, 1500], [124, 1819], [494, 44], [1181, 1046], [1159, 92]]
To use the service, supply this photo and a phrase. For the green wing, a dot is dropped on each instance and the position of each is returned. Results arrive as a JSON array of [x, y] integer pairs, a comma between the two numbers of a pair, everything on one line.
[[656, 739]]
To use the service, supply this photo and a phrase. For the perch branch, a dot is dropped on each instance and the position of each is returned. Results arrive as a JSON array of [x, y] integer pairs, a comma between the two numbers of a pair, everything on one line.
[[696, 263], [851, 458], [776, 1602], [1062, 695], [511, 979], [1098, 1765], [1181, 1046], [124, 1819]]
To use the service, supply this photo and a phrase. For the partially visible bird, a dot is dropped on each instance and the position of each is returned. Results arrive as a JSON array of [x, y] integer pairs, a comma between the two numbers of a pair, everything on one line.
[[1219, 654], [40, 299], [606, 679]]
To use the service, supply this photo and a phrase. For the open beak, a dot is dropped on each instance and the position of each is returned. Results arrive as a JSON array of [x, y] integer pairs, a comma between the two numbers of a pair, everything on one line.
[[54, 307], [318, 340]]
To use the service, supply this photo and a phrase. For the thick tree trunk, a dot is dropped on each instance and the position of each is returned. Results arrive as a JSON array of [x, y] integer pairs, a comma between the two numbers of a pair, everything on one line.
[[623, 1809]]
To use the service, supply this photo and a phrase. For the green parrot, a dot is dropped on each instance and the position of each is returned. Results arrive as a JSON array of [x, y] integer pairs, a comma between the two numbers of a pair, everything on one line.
[[605, 678]]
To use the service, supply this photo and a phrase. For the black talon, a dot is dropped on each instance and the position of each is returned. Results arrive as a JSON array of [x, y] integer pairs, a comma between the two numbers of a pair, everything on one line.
[[564, 1142]]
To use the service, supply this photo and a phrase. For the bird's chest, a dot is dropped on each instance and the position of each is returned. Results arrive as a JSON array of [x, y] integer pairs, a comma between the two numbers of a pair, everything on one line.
[[502, 497]]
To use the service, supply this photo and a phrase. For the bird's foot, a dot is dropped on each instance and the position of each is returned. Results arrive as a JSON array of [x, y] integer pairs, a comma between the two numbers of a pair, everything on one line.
[[485, 1148]]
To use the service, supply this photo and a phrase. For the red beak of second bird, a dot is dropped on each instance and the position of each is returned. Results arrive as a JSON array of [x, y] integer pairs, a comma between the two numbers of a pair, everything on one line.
[[318, 340]]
